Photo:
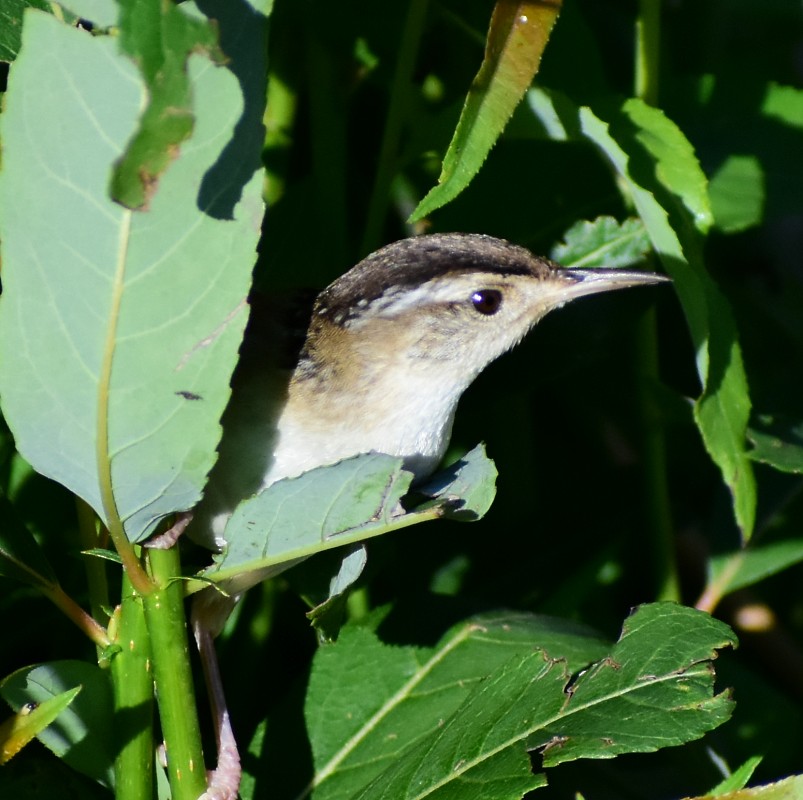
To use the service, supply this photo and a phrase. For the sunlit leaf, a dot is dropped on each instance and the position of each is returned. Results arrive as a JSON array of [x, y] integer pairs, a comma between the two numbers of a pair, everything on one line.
[[30, 721], [517, 36], [667, 187], [119, 331], [778, 442], [603, 242], [787, 789], [332, 506], [159, 37], [11, 13], [459, 719], [738, 193], [738, 778], [753, 564], [369, 703]]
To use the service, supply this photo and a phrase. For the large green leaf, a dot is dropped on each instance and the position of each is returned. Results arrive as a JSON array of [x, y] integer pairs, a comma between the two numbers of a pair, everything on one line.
[[369, 703], [458, 720], [667, 186], [517, 36], [159, 37], [118, 330]]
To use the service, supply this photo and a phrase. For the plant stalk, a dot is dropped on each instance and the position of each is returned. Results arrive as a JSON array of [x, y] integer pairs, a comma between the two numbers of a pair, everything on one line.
[[167, 629], [399, 98], [648, 50], [133, 701], [656, 484]]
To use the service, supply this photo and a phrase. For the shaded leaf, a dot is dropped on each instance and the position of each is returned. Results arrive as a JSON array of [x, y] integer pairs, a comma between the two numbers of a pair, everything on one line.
[[30, 721], [603, 243], [753, 564], [159, 37], [369, 703], [738, 193], [778, 442], [82, 735], [118, 332], [517, 36], [667, 186], [327, 616], [21, 557]]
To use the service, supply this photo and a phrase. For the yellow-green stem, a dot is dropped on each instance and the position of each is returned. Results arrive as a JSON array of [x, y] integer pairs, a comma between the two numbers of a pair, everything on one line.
[[132, 681], [167, 630]]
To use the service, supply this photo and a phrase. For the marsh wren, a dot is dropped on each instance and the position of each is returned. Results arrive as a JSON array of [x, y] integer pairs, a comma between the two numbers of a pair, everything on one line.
[[390, 347]]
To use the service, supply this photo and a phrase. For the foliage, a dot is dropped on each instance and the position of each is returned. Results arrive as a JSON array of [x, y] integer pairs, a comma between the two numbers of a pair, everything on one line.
[[648, 444]]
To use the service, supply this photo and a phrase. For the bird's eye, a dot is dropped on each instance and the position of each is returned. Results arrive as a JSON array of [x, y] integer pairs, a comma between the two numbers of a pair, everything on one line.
[[487, 301]]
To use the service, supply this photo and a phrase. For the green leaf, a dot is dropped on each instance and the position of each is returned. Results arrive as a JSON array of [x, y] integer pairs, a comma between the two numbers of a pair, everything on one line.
[[11, 14], [787, 789], [738, 193], [778, 441], [667, 186], [345, 503], [101, 13], [159, 37], [369, 703], [517, 36], [753, 564], [738, 778], [21, 557], [603, 243], [458, 720], [83, 733], [29, 722], [327, 616], [654, 690], [297, 517], [119, 331], [466, 489]]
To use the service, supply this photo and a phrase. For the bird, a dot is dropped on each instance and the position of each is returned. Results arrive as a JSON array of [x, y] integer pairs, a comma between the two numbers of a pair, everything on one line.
[[378, 365], [387, 352]]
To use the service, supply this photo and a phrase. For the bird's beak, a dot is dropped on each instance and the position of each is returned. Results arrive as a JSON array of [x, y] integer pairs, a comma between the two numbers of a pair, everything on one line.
[[594, 281]]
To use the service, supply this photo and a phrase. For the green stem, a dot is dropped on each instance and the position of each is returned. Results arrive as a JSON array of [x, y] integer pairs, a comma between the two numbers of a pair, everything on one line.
[[95, 568], [167, 629], [329, 148], [399, 99], [656, 485], [133, 701], [648, 41]]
